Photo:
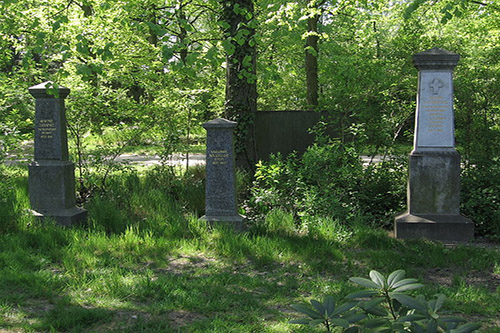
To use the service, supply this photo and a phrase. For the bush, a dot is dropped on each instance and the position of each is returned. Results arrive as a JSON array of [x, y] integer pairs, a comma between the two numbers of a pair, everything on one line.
[[384, 306], [330, 180], [480, 198]]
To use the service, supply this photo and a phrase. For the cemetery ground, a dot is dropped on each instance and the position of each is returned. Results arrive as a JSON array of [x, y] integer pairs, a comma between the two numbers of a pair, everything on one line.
[[144, 262]]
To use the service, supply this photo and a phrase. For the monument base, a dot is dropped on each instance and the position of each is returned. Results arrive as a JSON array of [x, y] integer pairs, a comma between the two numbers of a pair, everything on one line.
[[63, 217], [435, 227], [51, 185], [235, 222]]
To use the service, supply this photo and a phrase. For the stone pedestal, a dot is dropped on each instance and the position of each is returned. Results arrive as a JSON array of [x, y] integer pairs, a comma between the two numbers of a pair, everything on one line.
[[51, 175], [434, 179], [220, 188]]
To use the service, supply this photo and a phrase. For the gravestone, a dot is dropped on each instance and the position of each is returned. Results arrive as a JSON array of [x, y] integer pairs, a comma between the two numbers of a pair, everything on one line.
[[434, 170], [51, 175], [220, 186]]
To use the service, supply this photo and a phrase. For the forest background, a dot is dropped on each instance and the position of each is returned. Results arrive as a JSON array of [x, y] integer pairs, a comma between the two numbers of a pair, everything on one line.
[[153, 71], [145, 74]]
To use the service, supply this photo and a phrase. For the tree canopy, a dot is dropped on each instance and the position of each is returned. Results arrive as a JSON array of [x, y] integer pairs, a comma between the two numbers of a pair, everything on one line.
[[161, 64]]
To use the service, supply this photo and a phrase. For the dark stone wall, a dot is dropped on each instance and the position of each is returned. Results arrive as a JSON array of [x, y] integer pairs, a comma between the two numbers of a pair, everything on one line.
[[284, 131]]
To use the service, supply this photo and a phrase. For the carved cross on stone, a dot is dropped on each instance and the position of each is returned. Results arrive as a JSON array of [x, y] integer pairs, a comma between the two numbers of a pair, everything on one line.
[[435, 85]]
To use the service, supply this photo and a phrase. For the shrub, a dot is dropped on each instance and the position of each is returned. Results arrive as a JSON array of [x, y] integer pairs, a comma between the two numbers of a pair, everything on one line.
[[330, 180], [480, 198], [384, 306]]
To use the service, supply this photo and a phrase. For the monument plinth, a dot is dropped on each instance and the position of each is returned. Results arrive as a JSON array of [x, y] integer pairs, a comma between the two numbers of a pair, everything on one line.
[[220, 187], [434, 179], [51, 175]]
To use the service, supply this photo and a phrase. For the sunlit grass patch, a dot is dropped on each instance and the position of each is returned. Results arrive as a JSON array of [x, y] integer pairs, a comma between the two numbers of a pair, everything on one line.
[[145, 261]]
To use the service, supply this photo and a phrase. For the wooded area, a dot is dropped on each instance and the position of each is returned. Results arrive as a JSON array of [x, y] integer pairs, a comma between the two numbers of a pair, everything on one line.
[[158, 69], [145, 251]]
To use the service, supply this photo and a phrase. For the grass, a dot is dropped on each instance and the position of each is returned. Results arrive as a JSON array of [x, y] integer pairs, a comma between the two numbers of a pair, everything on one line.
[[146, 263], [145, 143]]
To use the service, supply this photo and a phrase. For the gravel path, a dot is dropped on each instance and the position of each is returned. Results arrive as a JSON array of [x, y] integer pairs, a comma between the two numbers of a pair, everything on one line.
[[148, 160]]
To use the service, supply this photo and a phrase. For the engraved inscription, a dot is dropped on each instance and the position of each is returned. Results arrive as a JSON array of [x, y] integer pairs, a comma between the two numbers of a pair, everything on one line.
[[47, 128], [436, 110], [219, 157]]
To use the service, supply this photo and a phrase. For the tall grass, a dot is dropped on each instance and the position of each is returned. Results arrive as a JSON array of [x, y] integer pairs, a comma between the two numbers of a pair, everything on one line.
[[145, 262]]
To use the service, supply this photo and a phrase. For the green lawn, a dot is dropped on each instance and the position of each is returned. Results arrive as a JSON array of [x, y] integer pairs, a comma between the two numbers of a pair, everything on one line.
[[145, 263]]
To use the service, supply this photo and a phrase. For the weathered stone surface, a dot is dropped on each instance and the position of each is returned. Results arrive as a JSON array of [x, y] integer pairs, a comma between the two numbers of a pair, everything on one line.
[[434, 179], [51, 185], [434, 122], [436, 58], [51, 141], [51, 175], [440, 227], [220, 187], [434, 183]]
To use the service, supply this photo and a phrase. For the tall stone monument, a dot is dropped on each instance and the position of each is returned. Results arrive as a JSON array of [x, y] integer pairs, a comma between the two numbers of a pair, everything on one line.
[[220, 187], [434, 179], [51, 175]]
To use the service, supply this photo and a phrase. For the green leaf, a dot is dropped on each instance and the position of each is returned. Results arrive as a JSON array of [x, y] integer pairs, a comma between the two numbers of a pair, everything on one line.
[[375, 322], [355, 317], [471, 327], [318, 306], [404, 282], [407, 287], [378, 278], [344, 308], [412, 7], [224, 25], [395, 276], [362, 294], [306, 310], [374, 302], [411, 317], [439, 302], [340, 322], [329, 304], [311, 51], [236, 8], [247, 61], [364, 282], [315, 322], [228, 46], [377, 311], [409, 301], [432, 326]]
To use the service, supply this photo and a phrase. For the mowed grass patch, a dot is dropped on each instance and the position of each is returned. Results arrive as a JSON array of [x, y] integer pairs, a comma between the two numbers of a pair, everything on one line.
[[145, 262]]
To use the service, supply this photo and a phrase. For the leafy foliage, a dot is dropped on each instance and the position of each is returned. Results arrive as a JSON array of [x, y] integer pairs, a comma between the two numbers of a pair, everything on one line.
[[329, 180], [384, 306], [480, 198], [328, 314]]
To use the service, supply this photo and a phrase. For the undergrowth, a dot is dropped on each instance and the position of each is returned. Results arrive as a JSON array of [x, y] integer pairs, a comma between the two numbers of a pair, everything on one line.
[[145, 262]]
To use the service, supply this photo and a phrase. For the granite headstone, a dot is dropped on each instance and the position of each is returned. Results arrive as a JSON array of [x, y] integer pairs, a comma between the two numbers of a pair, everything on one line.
[[220, 187], [51, 175], [434, 170]]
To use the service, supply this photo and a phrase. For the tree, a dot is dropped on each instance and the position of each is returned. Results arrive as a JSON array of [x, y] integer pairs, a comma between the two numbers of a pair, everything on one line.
[[311, 52], [239, 23]]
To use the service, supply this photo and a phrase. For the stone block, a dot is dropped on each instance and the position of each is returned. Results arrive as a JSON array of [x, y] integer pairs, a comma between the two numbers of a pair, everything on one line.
[[51, 175], [433, 226], [220, 185]]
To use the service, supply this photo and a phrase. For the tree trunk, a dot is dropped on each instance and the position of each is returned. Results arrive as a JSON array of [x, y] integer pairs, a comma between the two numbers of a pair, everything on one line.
[[311, 51], [241, 87]]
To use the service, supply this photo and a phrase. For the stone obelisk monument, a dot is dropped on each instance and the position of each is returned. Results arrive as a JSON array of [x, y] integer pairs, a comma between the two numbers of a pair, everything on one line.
[[220, 187], [51, 175], [434, 171]]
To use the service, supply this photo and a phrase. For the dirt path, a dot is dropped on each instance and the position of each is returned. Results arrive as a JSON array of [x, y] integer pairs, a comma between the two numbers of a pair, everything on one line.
[[148, 160]]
